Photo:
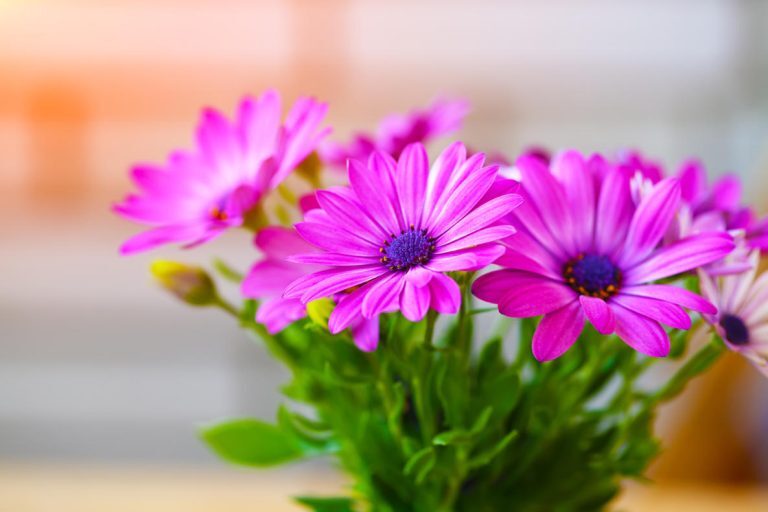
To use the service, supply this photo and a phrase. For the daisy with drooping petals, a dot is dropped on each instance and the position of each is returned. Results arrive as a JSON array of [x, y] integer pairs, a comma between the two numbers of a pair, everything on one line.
[[390, 237], [396, 131], [585, 251], [742, 317], [269, 277], [198, 195]]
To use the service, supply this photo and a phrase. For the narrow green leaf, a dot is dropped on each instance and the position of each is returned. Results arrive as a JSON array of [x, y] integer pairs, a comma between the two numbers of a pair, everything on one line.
[[329, 504], [451, 437], [697, 364], [420, 464], [487, 456], [252, 442], [227, 272]]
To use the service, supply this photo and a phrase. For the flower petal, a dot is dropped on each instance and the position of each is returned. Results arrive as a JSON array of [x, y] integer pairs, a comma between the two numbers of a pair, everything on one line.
[[577, 180], [687, 254], [412, 175], [365, 333], [276, 314], [482, 236], [414, 301], [598, 313], [531, 294], [446, 294], [665, 312], [269, 278], [382, 293], [614, 211], [548, 197], [558, 331], [673, 294], [640, 332], [481, 217], [650, 221]]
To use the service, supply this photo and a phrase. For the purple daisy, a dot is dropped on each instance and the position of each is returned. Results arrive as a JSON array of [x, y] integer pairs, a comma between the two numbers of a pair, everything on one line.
[[586, 251], [390, 237], [269, 277], [397, 131], [198, 195], [742, 316]]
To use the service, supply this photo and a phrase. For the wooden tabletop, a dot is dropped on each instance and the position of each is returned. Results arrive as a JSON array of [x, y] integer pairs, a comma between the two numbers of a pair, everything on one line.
[[26, 488]]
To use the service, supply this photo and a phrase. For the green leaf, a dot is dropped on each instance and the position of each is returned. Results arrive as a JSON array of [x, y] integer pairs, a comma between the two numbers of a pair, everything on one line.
[[314, 439], [487, 456], [420, 464], [697, 364], [451, 437], [227, 272], [326, 504], [252, 442]]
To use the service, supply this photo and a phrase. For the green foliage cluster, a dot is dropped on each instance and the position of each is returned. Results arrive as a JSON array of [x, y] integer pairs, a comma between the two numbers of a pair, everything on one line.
[[449, 423]]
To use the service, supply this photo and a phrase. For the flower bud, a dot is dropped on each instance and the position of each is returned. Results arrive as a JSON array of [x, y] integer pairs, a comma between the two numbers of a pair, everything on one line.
[[191, 284], [319, 311]]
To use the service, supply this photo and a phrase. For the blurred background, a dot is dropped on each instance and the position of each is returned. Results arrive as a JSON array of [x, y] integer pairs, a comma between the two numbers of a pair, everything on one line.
[[100, 369]]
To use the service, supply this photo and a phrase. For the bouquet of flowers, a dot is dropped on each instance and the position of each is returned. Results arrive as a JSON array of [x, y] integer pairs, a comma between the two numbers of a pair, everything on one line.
[[469, 334]]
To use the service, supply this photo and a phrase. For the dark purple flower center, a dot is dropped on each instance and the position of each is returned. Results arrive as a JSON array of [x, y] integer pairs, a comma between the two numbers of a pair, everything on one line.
[[408, 249], [593, 275], [736, 330]]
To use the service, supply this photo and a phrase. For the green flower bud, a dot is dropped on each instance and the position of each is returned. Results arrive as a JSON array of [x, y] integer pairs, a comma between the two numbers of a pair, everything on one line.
[[319, 311], [190, 284]]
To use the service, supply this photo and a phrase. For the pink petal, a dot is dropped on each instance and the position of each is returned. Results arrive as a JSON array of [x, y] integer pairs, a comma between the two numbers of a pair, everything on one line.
[[365, 332], [343, 208], [558, 331], [614, 211], [641, 333], [327, 282], [693, 181], [571, 169], [332, 259], [381, 293], [530, 294], [687, 254], [462, 200], [347, 310], [481, 217], [414, 301], [470, 259], [269, 278], [412, 175], [482, 236], [276, 314], [334, 239], [419, 276], [598, 313], [168, 234], [446, 294], [279, 243], [726, 193], [674, 294], [441, 173], [548, 197], [665, 312], [367, 185], [650, 221]]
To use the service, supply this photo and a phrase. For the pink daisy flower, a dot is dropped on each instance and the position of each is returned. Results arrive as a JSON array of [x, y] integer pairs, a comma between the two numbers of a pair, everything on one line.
[[390, 237], [198, 195], [269, 277], [397, 131], [742, 316], [718, 206], [585, 251]]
